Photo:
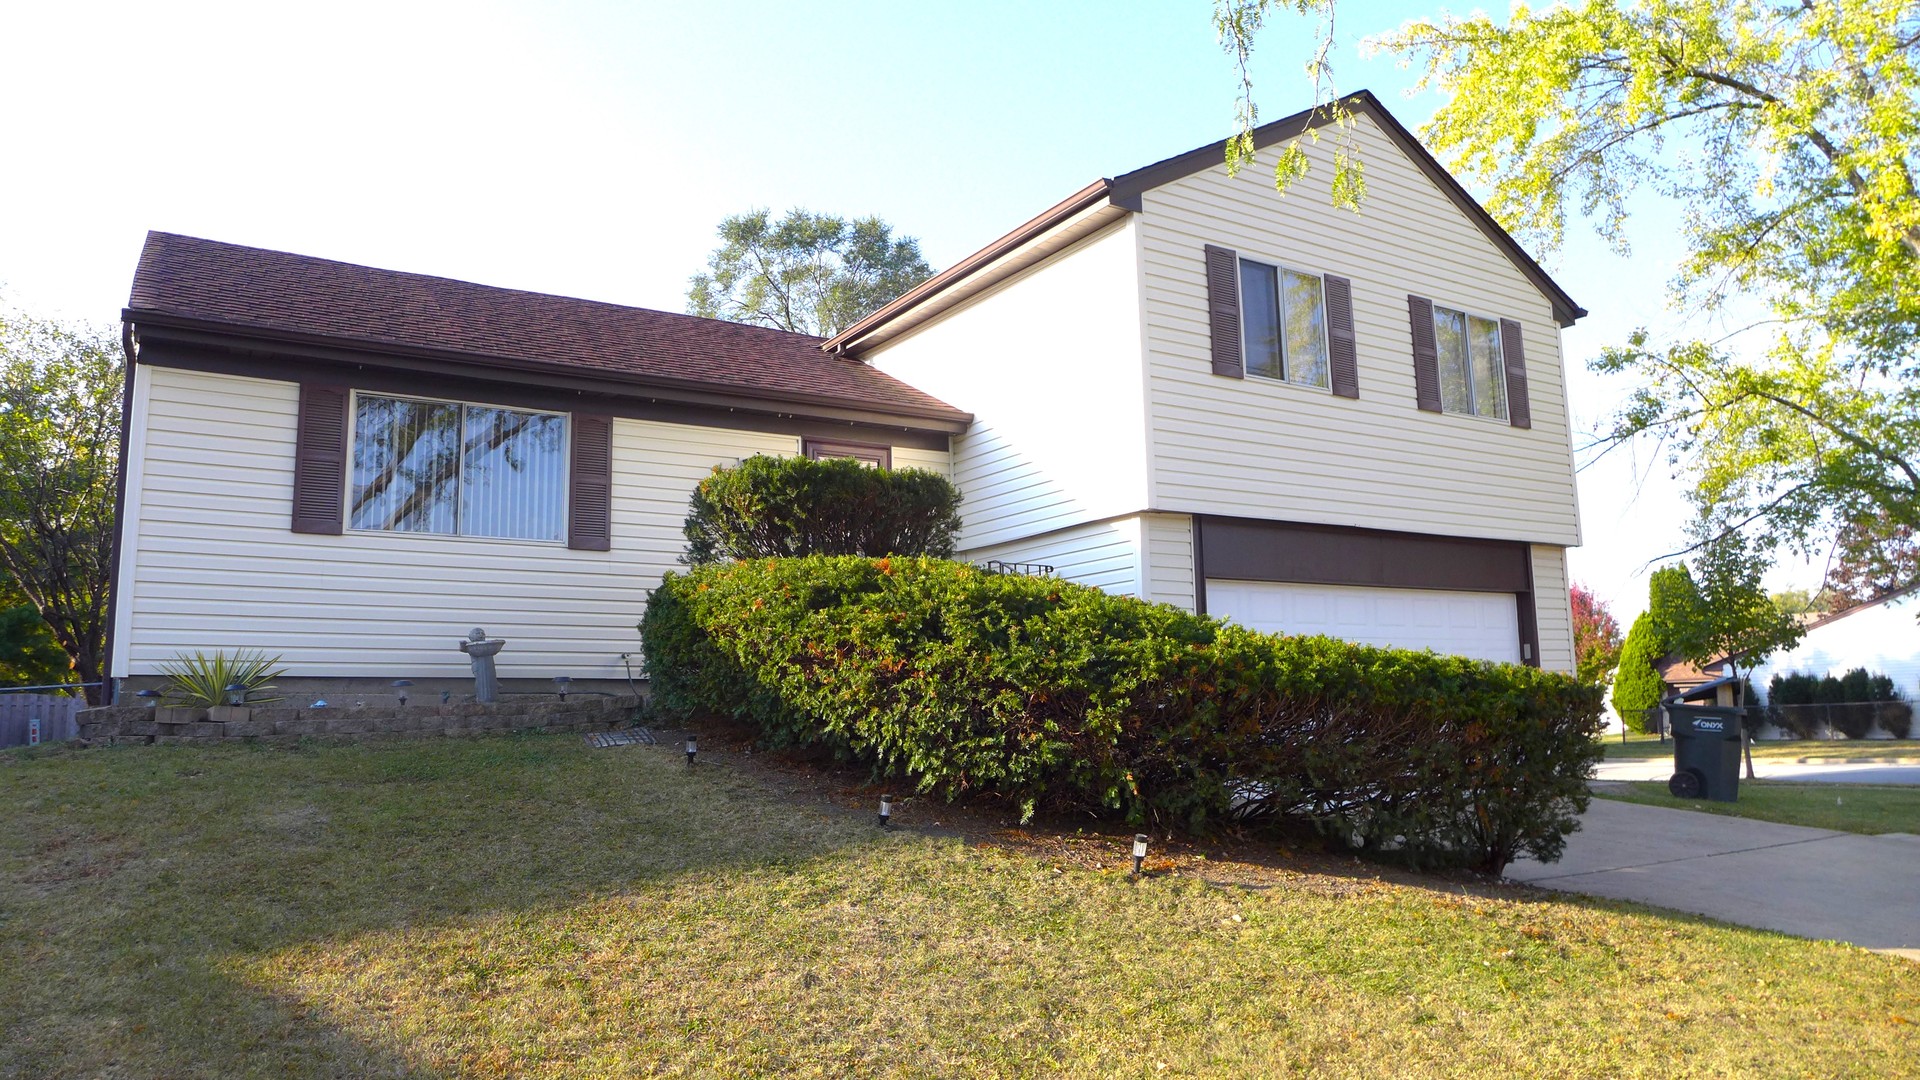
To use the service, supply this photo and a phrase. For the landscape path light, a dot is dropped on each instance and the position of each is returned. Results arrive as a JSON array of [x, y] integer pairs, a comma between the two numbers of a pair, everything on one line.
[[150, 697], [400, 687], [562, 682], [886, 810], [236, 694], [693, 747], [1139, 850]]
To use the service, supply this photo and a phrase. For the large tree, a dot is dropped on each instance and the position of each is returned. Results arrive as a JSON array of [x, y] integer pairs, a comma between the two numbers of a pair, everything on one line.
[[28, 654], [60, 399], [808, 273], [1787, 134], [1873, 558], [1726, 615]]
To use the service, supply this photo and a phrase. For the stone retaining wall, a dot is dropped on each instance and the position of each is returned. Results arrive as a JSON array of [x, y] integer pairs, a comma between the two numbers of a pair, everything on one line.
[[136, 723]]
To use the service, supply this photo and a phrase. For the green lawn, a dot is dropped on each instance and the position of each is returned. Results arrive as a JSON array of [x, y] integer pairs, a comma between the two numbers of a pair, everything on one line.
[[1860, 808], [1805, 751], [528, 907]]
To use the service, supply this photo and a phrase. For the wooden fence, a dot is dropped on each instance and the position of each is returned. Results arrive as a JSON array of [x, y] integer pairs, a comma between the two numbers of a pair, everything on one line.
[[55, 712]]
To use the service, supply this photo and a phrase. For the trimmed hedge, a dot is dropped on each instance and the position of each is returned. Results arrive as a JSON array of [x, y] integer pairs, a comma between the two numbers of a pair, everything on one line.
[[1851, 704], [768, 507], [1061, 697]]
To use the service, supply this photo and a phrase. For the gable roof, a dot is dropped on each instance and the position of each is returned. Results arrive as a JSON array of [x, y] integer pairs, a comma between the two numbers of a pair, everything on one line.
[[187, 283], [1123, 193]]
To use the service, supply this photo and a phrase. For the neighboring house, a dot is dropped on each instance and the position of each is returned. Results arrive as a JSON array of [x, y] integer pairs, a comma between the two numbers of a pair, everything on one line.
[[1680, 675], [1176, 385], [1881, 636]]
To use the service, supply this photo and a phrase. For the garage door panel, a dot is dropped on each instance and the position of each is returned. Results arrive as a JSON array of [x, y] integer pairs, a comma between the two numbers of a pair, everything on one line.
[[1484, 626]]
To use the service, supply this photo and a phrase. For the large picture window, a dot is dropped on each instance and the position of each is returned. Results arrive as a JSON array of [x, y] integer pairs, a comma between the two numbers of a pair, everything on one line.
[[454, 469], [1284, 322], [1473, 377]]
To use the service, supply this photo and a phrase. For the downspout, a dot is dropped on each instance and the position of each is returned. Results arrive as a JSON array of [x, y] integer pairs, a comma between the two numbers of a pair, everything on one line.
[[108, 687]]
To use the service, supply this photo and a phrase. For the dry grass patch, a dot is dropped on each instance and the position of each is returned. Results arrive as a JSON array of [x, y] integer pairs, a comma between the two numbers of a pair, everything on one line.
[[530, 907]]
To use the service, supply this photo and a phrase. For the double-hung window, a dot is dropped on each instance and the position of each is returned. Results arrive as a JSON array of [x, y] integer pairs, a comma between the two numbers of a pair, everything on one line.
[[455, 469], [1473, 373], [1283, 318]]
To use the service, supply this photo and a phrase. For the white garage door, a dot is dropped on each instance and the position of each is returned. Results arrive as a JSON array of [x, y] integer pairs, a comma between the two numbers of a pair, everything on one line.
[[1484, 626]]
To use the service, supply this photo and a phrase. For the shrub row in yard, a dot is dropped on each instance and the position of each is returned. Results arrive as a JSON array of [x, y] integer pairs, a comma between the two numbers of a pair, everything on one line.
[[1061, 697]]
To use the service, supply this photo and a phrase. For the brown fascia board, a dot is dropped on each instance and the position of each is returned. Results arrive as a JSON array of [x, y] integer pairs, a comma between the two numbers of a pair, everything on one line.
[[1128, 188], [1125, 192], [260, 341], [849, 341]]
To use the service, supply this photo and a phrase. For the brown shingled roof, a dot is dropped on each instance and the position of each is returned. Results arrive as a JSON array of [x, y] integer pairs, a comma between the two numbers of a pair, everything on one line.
[[187, 280]]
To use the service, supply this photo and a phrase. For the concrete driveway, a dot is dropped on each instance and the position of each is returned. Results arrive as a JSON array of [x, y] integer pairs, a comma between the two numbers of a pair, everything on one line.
[[1808, 882]]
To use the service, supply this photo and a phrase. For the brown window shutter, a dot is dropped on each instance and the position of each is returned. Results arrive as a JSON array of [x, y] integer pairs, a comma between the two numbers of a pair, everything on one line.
[[590, 484], [1223, 311], [1426, 353], [1514, 351], [320, 459], [1343, 365]]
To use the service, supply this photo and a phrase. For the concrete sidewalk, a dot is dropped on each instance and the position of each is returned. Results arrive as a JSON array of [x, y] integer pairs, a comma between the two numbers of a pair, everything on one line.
[[1808, 882], [1837, 772]]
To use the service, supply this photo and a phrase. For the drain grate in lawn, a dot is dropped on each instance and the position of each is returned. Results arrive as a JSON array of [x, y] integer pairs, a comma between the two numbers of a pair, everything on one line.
[[600, 740]]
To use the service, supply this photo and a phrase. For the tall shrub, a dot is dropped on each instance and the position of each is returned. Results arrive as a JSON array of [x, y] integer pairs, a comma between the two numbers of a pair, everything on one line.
[[785, 507], [1060, 696], [1636, 683]]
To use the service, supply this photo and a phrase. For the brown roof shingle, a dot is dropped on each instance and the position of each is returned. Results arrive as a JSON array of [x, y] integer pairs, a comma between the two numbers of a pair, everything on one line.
[[245, 288]]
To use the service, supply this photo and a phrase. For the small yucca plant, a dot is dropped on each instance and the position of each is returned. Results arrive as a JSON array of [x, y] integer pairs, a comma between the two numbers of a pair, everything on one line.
[[201, 681]]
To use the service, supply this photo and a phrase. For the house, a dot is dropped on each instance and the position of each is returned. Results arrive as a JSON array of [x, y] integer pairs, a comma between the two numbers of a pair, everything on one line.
[[1172, 384], [1882, 636]]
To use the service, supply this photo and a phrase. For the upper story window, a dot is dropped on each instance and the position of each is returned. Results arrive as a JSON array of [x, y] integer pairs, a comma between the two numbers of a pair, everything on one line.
[[1283, 318], [874, 457], [1473, 373], [458, 470]]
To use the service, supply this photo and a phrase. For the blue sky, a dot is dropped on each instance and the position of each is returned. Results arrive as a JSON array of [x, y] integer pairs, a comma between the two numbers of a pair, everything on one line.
[[590, 148]]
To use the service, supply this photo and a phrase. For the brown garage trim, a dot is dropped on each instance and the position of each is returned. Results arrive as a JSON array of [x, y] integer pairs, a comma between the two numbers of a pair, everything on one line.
[[1241, 549], [1529, 619], [1199, 569], [553, 396]]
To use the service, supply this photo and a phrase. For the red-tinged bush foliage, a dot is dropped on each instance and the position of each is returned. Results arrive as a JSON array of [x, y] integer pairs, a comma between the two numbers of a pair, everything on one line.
[[1061, 697]]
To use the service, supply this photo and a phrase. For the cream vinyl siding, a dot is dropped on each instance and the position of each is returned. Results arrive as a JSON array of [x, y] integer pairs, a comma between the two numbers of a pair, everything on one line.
[[209, 561], [1050, 363], [1553, 604], [1169, 573], [933, 461], [1262, 449], [1104, 554]]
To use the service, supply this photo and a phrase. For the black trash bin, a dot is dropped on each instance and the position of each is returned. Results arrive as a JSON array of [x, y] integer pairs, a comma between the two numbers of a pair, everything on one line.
[[1706, 752]]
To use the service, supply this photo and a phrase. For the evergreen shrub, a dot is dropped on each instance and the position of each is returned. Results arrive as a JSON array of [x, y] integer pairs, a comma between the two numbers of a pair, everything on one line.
[[1060, 697], [768, 507], [1636, 682]]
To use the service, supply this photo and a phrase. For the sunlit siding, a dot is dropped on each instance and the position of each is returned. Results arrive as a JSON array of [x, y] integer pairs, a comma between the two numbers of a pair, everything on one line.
[[1264, 449], [210, 562], [1553, 604], [1050, 363], [1104, 554], [1170, 559]]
